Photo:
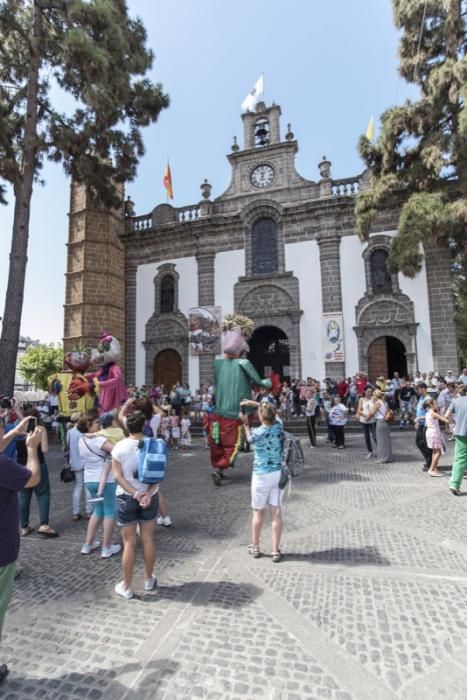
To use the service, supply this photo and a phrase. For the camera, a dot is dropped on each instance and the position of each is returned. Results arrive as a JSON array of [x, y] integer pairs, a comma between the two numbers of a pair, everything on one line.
[[5, 402]]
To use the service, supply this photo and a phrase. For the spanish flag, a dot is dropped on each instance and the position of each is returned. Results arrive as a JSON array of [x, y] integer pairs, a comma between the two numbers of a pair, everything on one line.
[[168, 182]]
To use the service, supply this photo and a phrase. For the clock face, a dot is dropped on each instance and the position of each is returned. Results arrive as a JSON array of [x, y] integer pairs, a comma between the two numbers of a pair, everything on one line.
[[262, 176]]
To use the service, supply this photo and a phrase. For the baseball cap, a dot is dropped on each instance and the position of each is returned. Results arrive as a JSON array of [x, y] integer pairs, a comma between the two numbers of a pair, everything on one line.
[[106, 419]]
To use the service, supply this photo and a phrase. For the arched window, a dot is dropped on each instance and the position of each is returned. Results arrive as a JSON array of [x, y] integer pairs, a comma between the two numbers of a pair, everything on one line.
[[380, 275], [167, 292], [264, 247]]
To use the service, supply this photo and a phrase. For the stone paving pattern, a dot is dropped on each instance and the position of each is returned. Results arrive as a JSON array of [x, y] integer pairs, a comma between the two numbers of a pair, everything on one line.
[[368, 602]]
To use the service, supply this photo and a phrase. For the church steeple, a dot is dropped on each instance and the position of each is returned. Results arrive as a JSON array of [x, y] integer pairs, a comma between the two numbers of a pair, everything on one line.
[[261, 127]]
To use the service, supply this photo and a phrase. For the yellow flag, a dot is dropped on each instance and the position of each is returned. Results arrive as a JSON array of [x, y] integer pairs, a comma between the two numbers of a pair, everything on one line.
[[370, 129]]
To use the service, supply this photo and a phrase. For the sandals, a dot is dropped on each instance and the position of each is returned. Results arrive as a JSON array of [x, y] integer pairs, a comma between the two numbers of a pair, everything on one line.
[[48, 532], [276, 556], [25, 531], [254, 550]]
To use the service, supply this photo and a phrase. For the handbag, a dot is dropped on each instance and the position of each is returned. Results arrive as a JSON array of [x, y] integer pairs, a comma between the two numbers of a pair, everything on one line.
[[67, 474]]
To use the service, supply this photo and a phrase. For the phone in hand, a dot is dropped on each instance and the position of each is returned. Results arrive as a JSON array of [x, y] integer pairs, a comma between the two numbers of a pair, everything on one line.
[[32, 423], [243, 410]]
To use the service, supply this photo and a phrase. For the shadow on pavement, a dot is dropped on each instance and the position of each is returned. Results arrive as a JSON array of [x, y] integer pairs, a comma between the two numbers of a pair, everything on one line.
[[222, 594], [101, 684], [350, 556]]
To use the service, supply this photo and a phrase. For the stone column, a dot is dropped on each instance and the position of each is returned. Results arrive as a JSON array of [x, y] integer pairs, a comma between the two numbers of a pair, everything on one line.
[[441, 300], [130, 330], [331, 288], [205, 298]]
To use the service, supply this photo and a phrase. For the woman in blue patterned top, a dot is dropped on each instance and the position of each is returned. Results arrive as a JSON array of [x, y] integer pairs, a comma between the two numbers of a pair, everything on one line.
[[265, 491]]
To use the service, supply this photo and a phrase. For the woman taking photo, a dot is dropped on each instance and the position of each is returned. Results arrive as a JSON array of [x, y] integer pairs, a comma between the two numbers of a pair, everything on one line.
[[98, 480], [383, 434], [265, 491]]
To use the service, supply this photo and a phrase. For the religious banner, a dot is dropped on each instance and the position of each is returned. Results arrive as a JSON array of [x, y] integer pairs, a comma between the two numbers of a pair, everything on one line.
[[333, 338], [204, 327]]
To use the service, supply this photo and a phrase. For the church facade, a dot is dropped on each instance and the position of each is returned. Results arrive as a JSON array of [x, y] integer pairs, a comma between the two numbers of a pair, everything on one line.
[[274, 246]]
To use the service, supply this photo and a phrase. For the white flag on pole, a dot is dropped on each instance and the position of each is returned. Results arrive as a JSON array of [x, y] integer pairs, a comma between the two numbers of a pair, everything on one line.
[[251, 98]]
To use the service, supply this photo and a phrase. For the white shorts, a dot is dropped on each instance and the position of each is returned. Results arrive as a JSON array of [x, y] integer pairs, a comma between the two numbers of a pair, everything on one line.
[[265, 490]]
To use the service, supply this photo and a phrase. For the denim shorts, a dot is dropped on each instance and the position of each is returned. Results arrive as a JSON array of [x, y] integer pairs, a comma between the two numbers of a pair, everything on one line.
[[129, 510]]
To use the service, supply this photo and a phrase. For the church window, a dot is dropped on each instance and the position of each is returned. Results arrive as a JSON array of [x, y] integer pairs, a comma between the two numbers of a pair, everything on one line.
[[380, 275], [264, 247], [167, 294]]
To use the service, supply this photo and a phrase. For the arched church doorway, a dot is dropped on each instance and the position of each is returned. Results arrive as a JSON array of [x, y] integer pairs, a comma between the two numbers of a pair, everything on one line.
[[386, 355], [167, 368], [269, 350]]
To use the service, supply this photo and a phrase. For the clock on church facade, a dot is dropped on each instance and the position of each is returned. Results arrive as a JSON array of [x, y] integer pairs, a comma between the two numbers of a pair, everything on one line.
[[275, 245]]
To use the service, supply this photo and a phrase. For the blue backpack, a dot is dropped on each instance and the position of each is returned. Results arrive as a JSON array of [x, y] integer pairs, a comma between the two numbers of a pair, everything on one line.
[[152, 461]]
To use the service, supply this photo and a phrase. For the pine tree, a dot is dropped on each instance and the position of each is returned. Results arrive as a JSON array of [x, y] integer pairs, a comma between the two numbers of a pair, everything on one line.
[[421, 154], [92, 51]]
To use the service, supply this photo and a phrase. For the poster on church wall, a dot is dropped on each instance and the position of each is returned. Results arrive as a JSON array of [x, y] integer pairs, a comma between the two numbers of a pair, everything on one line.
[[204, 328], [333, 338]]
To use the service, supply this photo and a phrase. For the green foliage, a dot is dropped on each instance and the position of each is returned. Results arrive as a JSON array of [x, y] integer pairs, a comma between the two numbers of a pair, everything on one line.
[[422, 148], [39, 362], [91, 50]]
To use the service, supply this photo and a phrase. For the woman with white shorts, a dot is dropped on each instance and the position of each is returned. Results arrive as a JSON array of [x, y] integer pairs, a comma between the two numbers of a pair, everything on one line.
[[265, 491]]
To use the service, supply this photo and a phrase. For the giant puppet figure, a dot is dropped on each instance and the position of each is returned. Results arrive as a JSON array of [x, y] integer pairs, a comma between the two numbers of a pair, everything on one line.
[[109, 378], [74, 391], [233, 376]]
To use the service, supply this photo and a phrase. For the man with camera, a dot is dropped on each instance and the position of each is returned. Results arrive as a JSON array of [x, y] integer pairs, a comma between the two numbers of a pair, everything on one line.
[[13, 477]]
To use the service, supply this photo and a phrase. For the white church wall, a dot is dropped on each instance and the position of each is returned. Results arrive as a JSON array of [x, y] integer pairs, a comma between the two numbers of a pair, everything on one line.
[[303, 260], [228, 267], [417, 290], [187, 268], [353, 288]]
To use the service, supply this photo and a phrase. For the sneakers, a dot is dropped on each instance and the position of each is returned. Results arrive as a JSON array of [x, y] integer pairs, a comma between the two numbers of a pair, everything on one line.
[[165, 521], [107, 552], [88, 548], [126, 593], [216, 477], [369, 455], [150, 583]]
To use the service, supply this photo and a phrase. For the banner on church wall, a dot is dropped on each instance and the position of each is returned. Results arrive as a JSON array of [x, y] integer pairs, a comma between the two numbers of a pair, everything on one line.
[[204, 328], [333, 338]]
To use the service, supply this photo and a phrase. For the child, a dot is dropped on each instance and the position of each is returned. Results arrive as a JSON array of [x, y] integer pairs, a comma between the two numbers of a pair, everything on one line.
[[433, 436], [174, 429], [165, 426], [110, 430], [185, 440], [338, 419]]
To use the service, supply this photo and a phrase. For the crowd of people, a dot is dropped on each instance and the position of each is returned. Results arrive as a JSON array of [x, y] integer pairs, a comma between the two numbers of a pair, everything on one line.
[[102, 451]]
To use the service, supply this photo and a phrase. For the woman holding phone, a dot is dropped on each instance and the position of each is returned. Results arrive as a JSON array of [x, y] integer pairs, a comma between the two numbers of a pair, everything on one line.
[[42, 490]]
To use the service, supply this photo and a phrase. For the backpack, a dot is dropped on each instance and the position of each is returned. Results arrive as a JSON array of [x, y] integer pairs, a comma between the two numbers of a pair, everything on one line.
[[292, 461], [152, 461]]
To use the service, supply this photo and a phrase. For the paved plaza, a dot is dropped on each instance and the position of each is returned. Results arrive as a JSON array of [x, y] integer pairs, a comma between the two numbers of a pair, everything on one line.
[[368, 603]]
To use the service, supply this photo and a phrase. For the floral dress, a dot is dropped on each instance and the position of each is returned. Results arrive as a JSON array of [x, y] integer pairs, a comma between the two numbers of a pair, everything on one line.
[[434, 438]]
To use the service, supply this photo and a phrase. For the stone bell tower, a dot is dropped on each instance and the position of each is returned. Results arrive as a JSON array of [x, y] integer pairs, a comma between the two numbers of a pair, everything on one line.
[[95, 277]]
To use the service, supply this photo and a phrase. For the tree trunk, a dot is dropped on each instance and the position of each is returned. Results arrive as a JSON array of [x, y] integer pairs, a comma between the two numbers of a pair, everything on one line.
[[19, 243]]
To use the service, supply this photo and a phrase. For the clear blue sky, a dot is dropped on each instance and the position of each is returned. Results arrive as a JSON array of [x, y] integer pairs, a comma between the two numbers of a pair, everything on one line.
[[330, 65]]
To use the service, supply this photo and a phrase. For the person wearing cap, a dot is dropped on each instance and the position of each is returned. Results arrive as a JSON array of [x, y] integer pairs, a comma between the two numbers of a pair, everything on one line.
[[76, 464], [463, 376], [109, 428]]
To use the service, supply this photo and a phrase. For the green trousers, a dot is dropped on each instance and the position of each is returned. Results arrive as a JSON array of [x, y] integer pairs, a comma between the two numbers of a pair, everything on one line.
[[460, 462], [7, 577]]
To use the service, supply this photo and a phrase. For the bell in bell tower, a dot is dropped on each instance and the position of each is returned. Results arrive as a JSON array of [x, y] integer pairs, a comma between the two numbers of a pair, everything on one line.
[[262, 127]]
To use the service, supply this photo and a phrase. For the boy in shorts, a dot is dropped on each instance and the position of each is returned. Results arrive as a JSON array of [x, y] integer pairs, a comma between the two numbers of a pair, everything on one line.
[[137, 503]]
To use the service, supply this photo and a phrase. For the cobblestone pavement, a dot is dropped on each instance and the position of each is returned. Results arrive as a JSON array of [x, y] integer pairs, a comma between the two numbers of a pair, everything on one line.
[[369, 601]]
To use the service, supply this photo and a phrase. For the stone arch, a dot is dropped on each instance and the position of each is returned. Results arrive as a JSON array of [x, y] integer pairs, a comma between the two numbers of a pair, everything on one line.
[[166, 331]]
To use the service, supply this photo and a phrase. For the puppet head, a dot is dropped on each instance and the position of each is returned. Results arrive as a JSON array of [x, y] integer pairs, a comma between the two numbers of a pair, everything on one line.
[[77, 360], [236, 331], [108, 350]]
